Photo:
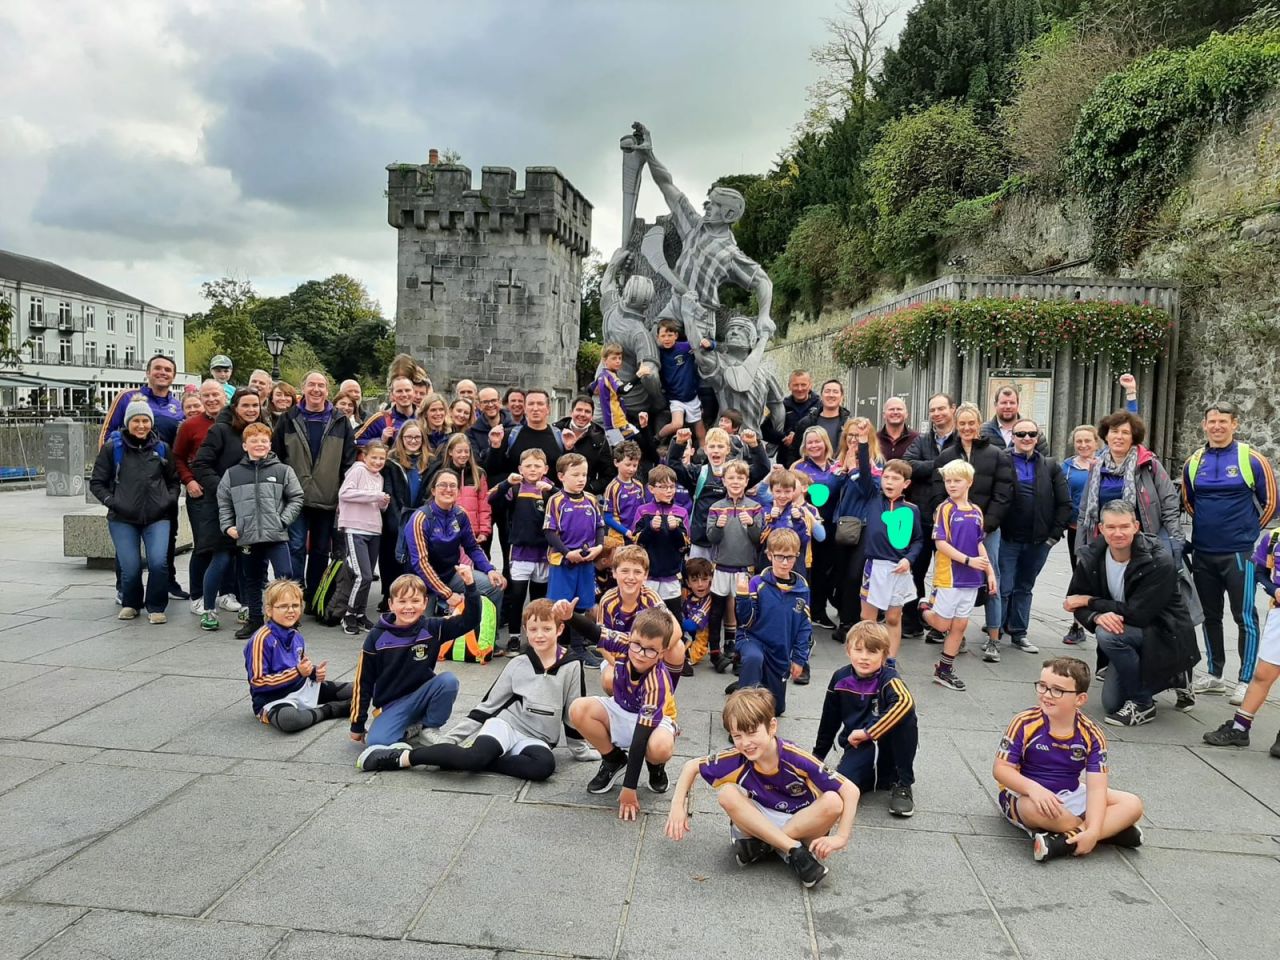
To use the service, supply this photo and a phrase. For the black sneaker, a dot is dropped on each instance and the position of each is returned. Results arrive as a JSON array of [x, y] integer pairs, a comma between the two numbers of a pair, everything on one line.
[[687, 669], [912, 632], [1128, 837], [820, 619], [351, 625], [730, 688], [1074, 636], [381, 758], [1131, 715], [901, 803], [803, 679], [1047, 846], [947, 678], [1186, 701], [934, 636], [806, 866], [176, 591], [1275, 748], [249, 628], [658, 780], [607, 775], [841, 632], [1227, 736], [1101, 674], [748, 850], [719, 662], [365, 622], [513, 645]]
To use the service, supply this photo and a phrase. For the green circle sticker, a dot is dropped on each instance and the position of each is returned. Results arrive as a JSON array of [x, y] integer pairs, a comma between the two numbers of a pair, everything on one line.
[[819, 494]]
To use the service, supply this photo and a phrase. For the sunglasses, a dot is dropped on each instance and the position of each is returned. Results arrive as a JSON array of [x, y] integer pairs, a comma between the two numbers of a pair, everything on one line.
[[1026, 434]]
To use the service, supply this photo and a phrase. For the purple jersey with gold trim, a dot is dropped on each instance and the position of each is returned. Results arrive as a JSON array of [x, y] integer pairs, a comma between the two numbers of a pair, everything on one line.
[[575, 518], [614, 614], [623, 499], [1056, 763], [649, 695], [962, 528], [799, 780]]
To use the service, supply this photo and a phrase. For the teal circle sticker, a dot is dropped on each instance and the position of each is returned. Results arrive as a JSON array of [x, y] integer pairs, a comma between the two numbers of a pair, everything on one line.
[[819, 494]]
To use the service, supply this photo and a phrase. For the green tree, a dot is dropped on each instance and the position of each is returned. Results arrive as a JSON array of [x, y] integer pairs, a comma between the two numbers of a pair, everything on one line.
[[10, 353], [590, 318]]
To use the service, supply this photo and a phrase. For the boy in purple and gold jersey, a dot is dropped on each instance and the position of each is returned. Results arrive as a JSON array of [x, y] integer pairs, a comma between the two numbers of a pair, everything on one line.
[[640, 716], [624, 495], [608, 388], [575, 537], [960, 568], [778, 797], [1039, 764]]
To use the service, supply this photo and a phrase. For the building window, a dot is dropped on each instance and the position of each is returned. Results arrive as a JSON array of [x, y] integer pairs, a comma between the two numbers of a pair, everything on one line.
[[64, 313], [90, 352], [64, 349], [130, 356], [37, 348], [158, 328], [111, 355], [128, 323], [111, 321], [35, 313], [169, 328], [90, 317]]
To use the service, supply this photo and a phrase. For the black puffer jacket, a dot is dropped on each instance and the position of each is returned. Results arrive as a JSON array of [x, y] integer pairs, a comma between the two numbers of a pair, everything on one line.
[[222, 449], [1050, 505], [595, 447], [144, 489], [922, 454], [992, 490]]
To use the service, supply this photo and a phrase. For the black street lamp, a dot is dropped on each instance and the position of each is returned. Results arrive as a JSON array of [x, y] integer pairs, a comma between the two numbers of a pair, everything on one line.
[[275, 347]]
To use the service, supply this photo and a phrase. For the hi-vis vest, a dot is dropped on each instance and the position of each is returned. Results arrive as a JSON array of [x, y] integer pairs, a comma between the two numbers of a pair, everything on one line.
[[1243, 458]]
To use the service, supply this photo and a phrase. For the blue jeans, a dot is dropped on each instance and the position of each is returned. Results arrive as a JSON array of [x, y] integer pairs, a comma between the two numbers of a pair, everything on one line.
[[129, 539], [1124, 679], [253, 572], [221, 568], [429, 705], [1020, 564], [483, 584], [994, 609]]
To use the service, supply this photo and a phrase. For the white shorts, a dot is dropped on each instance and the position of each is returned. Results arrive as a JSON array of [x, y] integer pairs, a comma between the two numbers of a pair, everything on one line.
[[884, 589], [697, 552], [779, 818], [692, 410], [512, 741], [536, 571], [724, 583], [1269, 647], [622, 723], [954, 603], [665, 589], [304, 698], [1073, 801]]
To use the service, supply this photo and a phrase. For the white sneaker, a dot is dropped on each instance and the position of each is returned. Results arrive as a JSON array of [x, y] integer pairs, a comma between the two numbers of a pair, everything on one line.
[[582, 751], [197, 607], [1208, 684], [991, 651], [127, 613], [1237, 695], [229, 603], [157, 618]]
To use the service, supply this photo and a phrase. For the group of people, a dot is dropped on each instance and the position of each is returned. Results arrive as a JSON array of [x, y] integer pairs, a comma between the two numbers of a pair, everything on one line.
[[644, 549]]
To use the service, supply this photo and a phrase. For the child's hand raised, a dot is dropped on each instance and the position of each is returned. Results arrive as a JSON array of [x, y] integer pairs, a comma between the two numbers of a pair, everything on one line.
[[656, 522], [513, 479], [562, 610], [722, 520], [673, 521], [322, 668], [745, 518], [305, 667], [684, 435]]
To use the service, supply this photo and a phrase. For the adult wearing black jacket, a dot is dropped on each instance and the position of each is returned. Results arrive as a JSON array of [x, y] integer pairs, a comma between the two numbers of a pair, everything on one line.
[[922, 455], [831, 414], [316, 440], [1125, 590], [797, 405], [135, 479], [506, 445], [1035, 521], [588, 439], [992, 492], [222, 449]]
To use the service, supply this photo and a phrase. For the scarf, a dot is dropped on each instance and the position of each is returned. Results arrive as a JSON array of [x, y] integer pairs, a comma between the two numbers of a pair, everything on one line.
[[1089, 508]]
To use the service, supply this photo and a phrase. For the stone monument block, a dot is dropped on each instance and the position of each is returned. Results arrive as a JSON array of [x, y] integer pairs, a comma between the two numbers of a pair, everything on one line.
[[63, 458], [490, 278]]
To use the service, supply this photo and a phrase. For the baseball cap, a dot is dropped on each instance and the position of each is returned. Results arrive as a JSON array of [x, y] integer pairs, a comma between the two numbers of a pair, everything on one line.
[[221, 360]]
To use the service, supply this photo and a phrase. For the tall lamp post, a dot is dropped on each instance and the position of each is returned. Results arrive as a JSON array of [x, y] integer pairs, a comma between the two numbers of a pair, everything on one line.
[[275, 347]]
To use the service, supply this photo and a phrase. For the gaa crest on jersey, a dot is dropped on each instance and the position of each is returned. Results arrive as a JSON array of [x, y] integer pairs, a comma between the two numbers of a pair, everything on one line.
[[454, 526], [1233, 471], [648, 712], [419, 651], [1005, 744], [800, 605], [1078, 752], [795, 788]]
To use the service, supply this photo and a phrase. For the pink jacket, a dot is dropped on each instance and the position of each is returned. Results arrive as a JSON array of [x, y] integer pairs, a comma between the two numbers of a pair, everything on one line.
[[474, 502], [360, 500]]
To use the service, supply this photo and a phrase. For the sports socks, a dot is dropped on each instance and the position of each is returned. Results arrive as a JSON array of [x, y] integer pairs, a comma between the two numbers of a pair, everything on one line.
[[1243, 720]]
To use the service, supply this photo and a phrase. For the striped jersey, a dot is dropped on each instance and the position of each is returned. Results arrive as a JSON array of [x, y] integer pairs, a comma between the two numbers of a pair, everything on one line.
[[962, 528], [709, 259], [1056, 763], [616, 615], [649, 695], [799, 780]]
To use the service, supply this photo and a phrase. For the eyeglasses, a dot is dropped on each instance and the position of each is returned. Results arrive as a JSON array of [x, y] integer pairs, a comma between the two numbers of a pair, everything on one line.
[[784, 557], [1055, 693], [645, 652], [1026, 434], [663, 485], [287, 606]]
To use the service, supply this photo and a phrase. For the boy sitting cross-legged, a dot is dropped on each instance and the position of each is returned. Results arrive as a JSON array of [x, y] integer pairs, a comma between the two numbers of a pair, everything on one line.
[[396, 674], [778, 797], [640, 715], [514, 728], [1039, 764], [872, 711]]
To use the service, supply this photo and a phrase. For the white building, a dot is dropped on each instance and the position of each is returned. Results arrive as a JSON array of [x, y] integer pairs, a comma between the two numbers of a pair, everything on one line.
[[82, 342]]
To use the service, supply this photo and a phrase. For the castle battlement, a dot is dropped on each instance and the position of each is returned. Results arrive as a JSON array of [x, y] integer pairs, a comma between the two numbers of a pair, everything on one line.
[[441, 197]]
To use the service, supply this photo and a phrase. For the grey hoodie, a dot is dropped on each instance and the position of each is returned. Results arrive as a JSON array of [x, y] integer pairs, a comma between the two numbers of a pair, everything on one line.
[[534, 700]]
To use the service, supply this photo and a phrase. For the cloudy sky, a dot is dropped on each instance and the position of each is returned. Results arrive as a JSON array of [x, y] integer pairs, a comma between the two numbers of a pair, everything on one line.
[[153, 144]]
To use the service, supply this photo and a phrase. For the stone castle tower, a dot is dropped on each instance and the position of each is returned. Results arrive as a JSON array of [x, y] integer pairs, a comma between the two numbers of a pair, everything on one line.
[[489, 280]]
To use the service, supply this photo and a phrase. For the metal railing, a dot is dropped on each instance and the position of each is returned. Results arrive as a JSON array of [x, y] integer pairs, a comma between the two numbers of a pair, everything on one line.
[[22, 444]]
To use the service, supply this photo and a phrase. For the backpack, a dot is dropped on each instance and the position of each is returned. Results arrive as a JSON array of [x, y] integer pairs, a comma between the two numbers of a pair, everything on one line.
[[117, 452], [329, 604], [475, 646]]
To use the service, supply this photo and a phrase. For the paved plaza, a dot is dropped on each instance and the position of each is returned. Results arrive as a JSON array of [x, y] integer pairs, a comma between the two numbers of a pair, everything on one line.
[[147, 813]]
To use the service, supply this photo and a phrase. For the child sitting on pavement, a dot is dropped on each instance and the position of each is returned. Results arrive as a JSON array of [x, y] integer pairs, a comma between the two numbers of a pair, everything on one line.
[[1039, 765], [778, 798]]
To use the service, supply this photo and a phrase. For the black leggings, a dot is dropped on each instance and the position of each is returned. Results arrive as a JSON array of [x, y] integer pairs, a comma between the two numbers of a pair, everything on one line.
[[485, 756], [335, 701], [715, 622], [513, 602], [823, 574], [851, 561]]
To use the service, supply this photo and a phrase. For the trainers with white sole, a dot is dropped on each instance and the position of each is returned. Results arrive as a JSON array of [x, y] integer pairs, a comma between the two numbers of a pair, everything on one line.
[[1208, 685], [1237, 695], [229, 603], [197, 607]]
